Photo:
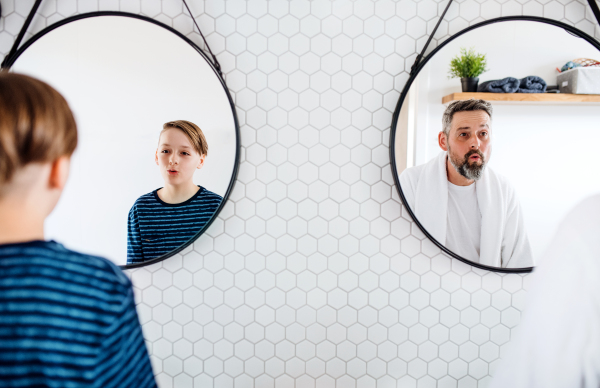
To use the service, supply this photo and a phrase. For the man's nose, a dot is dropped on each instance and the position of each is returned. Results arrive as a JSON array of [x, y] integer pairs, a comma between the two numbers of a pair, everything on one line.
[[475, 143]]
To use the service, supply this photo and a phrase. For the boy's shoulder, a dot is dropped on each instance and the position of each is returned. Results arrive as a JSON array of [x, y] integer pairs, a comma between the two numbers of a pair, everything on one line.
[[102, 267], [207, 194], [145, 200], [151, 196], [53, 253]]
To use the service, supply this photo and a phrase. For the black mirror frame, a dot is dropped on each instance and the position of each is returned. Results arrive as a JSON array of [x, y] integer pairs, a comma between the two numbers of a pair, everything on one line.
[[414, 73], [11, 60]]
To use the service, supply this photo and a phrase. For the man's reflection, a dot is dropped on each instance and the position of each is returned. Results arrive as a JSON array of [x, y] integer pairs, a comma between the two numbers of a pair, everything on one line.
[[166, 218], [460, 201]]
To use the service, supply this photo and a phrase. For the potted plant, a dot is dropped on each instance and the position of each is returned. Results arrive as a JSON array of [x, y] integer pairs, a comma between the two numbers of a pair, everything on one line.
[[468, 66]]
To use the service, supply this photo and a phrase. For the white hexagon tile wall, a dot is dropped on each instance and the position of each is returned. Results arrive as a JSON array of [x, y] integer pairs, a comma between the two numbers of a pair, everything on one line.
[[314, 275]]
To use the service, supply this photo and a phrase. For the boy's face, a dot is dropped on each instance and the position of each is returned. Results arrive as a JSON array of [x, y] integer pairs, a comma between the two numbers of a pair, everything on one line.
[[177, 158]]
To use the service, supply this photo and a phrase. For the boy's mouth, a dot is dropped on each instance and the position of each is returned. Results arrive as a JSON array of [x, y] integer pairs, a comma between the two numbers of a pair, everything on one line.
[[172, 172]]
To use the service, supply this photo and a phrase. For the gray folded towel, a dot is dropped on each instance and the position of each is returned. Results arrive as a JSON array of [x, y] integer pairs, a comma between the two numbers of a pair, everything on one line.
[[532, 84], [505, 85]]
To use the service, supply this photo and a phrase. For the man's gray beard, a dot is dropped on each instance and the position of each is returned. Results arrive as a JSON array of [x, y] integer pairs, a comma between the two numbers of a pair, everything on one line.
[[471, 172]]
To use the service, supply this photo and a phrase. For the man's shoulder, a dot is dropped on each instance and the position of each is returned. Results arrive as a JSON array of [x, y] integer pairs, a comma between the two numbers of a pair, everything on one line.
[[410, 176], [501, 180], [414, 171]]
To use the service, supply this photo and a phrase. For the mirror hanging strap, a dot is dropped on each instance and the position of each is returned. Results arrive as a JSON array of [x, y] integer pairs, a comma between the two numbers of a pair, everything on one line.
[[215, 61], [422, 53], [17, 41], [595, 9]]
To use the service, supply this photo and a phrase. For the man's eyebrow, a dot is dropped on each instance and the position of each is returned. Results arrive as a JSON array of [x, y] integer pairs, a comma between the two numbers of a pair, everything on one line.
[[486, 125]]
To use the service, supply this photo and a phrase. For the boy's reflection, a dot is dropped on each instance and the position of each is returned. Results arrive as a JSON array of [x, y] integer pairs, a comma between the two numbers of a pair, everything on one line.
[[166, 218]]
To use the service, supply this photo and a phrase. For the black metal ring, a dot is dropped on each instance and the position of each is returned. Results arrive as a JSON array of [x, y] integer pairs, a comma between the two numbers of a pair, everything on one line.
[[54, 26], [566, 27]]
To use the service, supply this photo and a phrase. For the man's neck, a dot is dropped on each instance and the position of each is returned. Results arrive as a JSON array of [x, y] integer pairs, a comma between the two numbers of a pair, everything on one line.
[[18, 223], [454, 176], [177, 194]]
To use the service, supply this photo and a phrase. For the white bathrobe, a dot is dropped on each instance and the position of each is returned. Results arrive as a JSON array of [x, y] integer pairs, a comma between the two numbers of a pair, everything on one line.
[[557, 343], [503, 241]]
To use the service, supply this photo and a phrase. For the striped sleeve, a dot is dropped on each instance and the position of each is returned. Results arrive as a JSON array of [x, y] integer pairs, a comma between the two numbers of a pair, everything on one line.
[[134, 238]]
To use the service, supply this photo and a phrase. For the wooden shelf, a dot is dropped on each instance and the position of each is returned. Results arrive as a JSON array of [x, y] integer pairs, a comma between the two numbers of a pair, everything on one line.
[[517, 98]]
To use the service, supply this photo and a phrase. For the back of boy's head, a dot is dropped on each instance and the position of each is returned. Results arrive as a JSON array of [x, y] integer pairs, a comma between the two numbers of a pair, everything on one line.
[[193, 132], [36, 124]]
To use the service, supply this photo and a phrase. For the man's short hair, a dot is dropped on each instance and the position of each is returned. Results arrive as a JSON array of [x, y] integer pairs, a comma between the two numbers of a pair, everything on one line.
[[36, 124], [462, 106], [193, 132]]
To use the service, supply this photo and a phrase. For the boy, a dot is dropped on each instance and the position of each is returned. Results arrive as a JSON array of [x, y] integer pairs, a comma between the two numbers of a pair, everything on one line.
[[168, 217], [66, 319]]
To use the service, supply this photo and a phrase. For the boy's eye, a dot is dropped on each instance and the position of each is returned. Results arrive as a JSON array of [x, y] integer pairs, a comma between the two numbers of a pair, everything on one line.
[[185, 153], [164, 151]]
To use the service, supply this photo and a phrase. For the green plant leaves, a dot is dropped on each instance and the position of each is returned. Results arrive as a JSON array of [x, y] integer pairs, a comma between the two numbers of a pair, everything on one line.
[[468, 64]]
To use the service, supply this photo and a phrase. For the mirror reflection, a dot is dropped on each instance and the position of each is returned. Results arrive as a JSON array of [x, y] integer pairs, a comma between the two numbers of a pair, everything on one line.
[[490, 174], [166, 218], [157, 134]]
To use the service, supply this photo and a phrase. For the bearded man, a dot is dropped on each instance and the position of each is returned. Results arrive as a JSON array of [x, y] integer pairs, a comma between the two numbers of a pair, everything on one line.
[[460, 201]]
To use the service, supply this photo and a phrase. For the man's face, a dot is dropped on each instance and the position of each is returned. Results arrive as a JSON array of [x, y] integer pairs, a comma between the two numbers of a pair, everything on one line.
[[176, 157], [469, 143]]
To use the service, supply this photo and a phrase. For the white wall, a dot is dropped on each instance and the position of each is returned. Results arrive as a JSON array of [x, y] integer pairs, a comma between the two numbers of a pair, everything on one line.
[[312, 276], [548, 151]]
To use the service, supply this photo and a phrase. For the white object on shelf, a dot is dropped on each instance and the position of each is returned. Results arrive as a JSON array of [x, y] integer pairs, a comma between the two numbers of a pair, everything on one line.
[[580, 80]]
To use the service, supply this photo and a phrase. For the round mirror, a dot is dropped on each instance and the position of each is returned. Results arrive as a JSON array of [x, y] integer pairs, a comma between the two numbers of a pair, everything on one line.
[[488, 173], [158, 135]]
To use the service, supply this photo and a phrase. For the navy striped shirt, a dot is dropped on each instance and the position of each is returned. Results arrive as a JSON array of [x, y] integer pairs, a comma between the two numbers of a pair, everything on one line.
[[156, 227], [67, 320]]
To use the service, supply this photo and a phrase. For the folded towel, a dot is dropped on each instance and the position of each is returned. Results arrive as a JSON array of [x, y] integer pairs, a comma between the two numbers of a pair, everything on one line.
[[532, 84], [505, 85]]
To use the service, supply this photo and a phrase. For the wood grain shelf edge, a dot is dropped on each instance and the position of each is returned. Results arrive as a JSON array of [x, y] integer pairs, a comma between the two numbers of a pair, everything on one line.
[[524, 97]]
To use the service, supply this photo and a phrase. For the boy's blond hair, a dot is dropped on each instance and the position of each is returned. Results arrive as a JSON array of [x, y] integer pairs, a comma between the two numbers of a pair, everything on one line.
[[193, 132], [36, 124]]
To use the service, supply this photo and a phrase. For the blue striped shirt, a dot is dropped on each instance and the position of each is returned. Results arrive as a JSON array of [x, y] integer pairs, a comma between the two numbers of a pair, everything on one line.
[[156, 227], [67, 320]]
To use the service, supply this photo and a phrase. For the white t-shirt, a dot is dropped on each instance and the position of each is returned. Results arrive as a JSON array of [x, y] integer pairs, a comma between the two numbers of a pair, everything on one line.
[[463, 232]]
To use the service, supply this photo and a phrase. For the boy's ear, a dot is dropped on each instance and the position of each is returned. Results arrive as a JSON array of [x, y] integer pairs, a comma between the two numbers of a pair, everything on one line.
[[201, 162], [59, 172], [443, 141], [156, 157]]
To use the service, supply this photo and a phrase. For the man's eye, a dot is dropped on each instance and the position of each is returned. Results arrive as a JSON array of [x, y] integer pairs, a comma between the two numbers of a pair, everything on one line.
[[484, 133]]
